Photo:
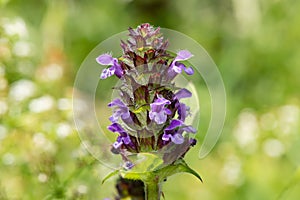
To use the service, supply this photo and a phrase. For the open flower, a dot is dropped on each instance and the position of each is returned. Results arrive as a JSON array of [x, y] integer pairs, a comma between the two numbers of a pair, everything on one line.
[[158, 111], [121, 111], [183, 111], [123, 138], [107, 59], [178, 67], [183, 93], [174, 131]]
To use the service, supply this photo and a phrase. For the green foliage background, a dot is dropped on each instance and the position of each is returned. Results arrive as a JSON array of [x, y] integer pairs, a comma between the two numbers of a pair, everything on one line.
[[255, 44]]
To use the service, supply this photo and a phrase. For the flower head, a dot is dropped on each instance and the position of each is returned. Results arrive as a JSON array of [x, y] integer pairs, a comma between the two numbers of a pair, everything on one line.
[[148, 116]]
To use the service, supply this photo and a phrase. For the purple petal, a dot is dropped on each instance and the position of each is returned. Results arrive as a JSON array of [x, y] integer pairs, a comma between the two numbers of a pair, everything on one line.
[[117, 144], [161, 101], [166, 137], [115, 127], [105, 59], [116, 102], [116, 115], [158, 117], [183, 55], [168, 111], [158, 112], [171, 73], [189, 129], [121, 111], [174, 124], [126, 139], [189, 71], [183, 93], [107, 72], [182, 111], [177, 139], [128, 165], [177, 69], [118, 70]]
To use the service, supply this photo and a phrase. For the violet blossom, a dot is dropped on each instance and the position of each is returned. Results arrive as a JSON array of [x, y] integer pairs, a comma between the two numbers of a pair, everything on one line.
[[121, 111], [177, 67], [107, 59], [158, 111], [151, 113]]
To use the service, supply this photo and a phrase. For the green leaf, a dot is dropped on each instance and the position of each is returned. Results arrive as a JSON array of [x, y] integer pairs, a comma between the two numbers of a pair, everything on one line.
[[110, 175], [187, 169]]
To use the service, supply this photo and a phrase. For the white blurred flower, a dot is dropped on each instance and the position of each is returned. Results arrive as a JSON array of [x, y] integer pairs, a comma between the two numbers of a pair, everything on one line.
[[3, 107], [14, 27], [3, 83], [246, 131], [273, 148], [248, 15], [64, 104], [41, 104], [42, 177], [289, 116], [2, 70], [41, 142], [8, 159], [82, 189], [22, 49], [231, 173], [268, 121], [22, 89], [51, 72], [63, 130], [3, 132], [39, 139]]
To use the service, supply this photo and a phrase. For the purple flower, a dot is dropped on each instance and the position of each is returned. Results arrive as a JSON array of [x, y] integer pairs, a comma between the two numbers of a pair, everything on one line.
[[128, 165], [158, 111], [183, 93], [121, 111], [177, 67], [183, 111], [107, 59], [124, 138], [174, 131], [176, 138]]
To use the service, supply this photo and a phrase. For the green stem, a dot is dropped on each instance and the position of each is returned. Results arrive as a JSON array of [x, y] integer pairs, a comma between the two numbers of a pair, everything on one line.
[[152, 190]]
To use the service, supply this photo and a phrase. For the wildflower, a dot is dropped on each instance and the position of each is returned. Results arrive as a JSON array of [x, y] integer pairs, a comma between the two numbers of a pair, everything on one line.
[[107, 59], [152, 135], [121, 111], [175, 130], [148, 115], [178, 67], [123, 138], [158, 111]]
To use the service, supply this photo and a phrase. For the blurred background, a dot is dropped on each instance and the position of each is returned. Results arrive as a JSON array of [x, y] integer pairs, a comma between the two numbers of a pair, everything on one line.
[[255, 44]]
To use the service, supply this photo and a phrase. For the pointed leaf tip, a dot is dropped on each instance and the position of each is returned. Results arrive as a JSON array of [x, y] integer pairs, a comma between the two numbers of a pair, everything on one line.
[[108, 176], [189, 170]]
